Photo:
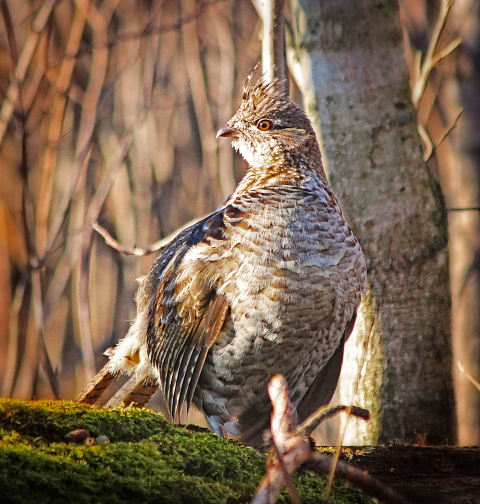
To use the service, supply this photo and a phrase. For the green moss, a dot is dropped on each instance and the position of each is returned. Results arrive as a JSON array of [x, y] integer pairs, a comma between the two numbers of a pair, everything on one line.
[[51, 420], [147, 460]]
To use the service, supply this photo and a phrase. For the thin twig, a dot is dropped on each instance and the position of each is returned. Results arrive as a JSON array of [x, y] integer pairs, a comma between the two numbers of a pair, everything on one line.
[[445, 52], [160, 244], [449, 129], [468, 375], [82, 308], [422, 71], [427, 142], [319, 416], [466, 209], [22, 65], [321, 464], [146, 32], [336, 458]]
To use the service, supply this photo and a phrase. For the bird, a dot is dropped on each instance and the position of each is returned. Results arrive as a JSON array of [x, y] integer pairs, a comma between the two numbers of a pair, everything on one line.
[[269, 283]]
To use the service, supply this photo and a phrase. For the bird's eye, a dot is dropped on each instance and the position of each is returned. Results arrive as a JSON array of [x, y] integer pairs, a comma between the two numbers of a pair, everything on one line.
[[264, 125]]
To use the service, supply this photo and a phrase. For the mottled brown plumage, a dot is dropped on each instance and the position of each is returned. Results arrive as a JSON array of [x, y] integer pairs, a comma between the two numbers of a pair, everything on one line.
[[269, 283]]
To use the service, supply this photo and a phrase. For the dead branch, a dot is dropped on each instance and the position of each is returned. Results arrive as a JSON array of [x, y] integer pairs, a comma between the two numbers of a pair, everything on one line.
[[29, 48], [431, 60], [422, 70], [293, 449], [449, 128], [468, 376], [321, 464], [149, 30], [290, 484], [315, 419], [160, 244]]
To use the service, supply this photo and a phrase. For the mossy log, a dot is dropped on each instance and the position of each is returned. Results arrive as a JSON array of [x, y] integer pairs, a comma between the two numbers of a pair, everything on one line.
[[146, 459]]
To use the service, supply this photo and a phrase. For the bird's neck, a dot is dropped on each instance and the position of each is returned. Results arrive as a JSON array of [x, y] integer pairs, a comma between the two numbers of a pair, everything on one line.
[[296, 167]]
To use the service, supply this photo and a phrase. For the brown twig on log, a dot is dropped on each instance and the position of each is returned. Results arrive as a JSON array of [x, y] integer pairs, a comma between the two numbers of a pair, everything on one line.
[[356, 477], [294, 449], [316, 418]]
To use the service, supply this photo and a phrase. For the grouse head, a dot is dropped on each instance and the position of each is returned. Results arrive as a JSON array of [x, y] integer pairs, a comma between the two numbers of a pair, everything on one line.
[[268, 129]]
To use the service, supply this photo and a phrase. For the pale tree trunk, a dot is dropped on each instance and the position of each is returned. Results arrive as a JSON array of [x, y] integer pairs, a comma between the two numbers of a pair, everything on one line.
[[459, 168], [348, 60], [271, 12], [452, 87]]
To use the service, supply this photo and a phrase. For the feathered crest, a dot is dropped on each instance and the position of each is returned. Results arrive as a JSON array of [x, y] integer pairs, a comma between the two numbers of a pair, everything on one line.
[[263, 85], [248, 79]]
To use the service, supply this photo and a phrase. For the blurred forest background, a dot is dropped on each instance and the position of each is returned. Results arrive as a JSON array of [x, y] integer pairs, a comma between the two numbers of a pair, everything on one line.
[[109, 110]]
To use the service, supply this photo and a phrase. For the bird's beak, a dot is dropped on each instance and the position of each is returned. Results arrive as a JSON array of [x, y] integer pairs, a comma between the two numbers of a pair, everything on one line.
[[226, 131]]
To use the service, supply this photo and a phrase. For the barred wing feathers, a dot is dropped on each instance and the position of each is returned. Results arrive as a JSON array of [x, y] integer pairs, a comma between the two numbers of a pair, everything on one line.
[[185, 316]]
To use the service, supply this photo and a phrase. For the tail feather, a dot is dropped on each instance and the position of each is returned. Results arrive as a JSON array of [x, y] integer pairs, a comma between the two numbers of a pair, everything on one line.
[[94, 390], [137, 391]]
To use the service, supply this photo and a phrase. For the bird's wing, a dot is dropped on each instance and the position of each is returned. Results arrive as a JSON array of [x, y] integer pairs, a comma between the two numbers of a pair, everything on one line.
[[186, 313], [322, 389]]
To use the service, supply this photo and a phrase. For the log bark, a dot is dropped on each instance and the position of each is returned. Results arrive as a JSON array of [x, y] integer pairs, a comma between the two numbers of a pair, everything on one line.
[[431, 474]]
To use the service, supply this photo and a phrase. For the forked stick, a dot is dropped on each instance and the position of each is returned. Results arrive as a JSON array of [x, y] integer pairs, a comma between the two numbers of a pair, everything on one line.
[[295, 449]]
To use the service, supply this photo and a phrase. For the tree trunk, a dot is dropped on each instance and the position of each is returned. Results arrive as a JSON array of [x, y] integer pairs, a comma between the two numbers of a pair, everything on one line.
[[460, 175], [348, 60]]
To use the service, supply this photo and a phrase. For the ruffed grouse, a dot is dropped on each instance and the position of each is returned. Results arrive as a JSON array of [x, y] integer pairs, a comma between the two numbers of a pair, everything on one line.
[[269, 283]]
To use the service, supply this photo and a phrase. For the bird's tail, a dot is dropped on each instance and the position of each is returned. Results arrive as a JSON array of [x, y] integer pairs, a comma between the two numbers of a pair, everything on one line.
[[94, 390], [137, 391]]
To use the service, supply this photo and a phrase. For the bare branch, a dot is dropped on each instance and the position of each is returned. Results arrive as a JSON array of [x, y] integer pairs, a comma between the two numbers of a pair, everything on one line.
[[445, 52], [282, 423], [315, 419], [149, 30], [427, 142], [293, 450], [468, 375], [160, 244], [449, 129], [288, 477], [22, 65], [321, 464], [422, 71]]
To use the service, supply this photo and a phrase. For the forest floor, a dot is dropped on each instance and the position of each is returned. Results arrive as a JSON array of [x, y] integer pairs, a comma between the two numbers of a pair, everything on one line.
[[132, 455]]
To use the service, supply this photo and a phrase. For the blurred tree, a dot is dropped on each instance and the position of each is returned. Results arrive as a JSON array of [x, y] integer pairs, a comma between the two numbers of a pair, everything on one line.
[[348, 60], [453, 87], [108, 113]]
